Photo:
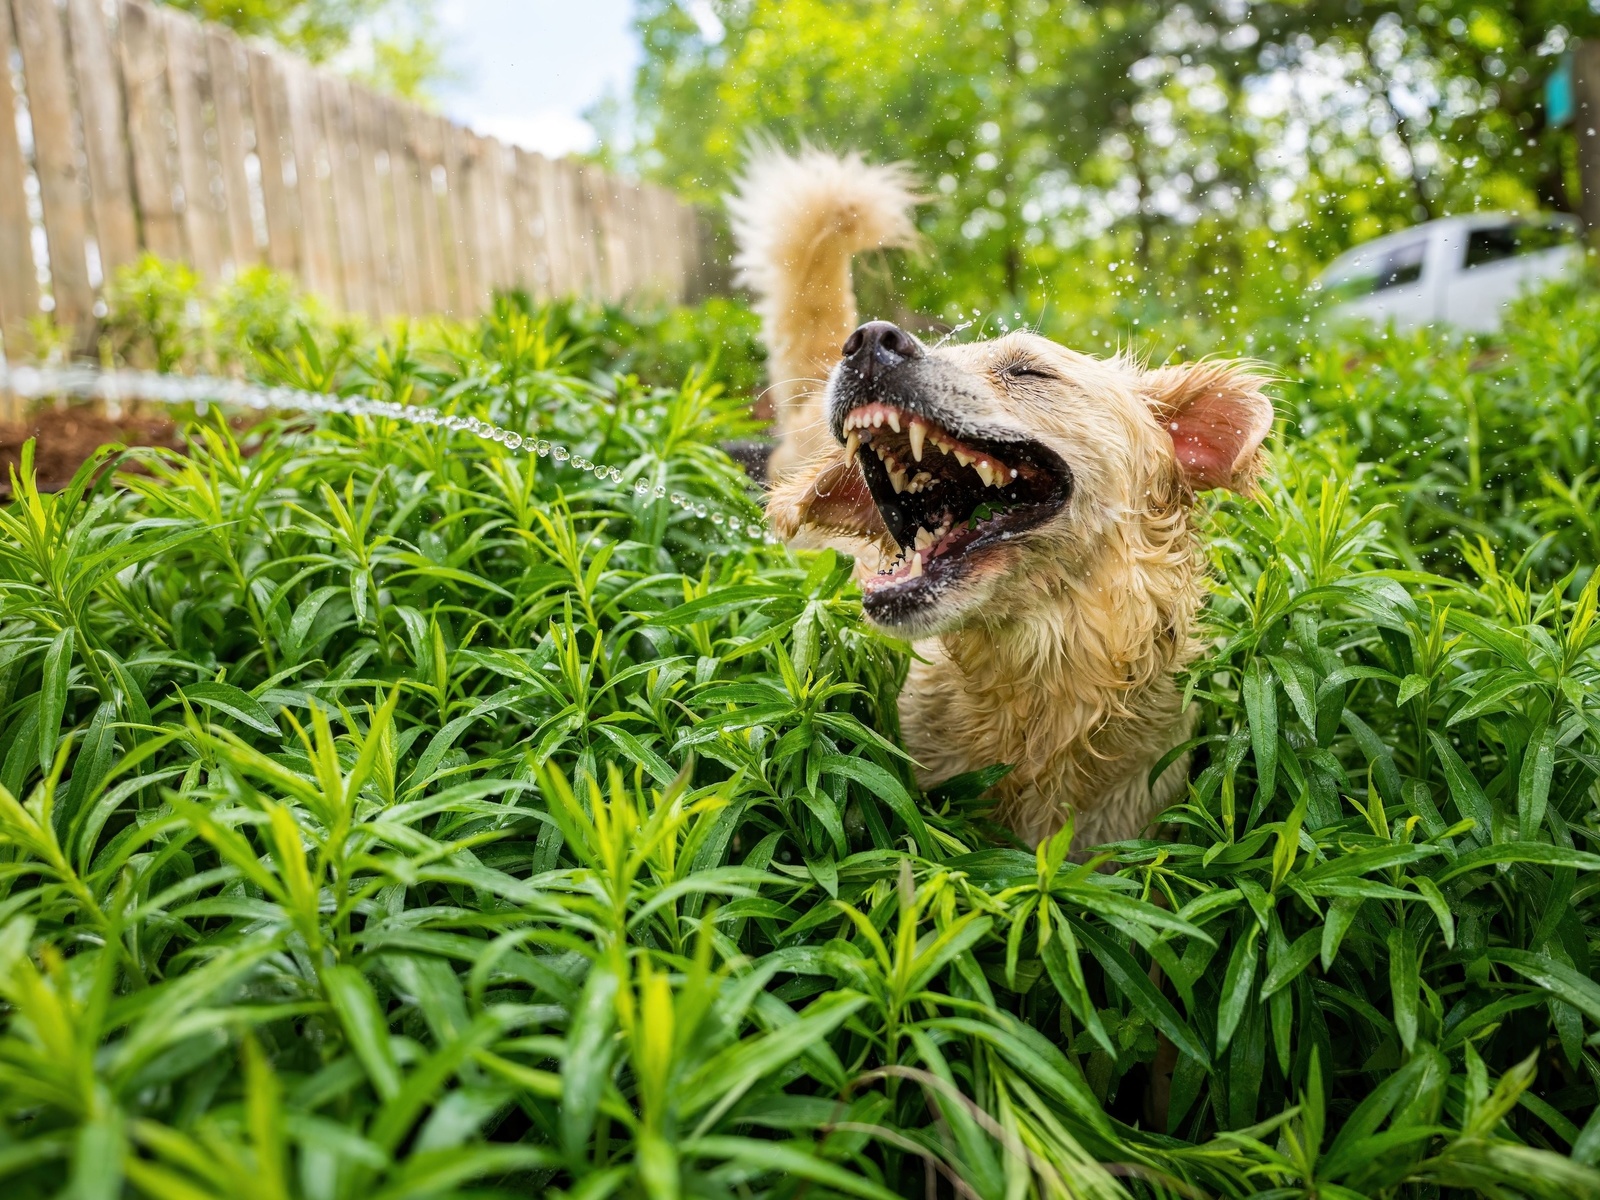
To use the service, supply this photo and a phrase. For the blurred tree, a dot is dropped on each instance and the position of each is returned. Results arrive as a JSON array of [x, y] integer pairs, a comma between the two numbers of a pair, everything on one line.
[[389, 44], [1131, 157]]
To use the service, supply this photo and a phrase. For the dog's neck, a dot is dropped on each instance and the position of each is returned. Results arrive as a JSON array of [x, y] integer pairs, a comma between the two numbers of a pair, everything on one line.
[[1097, 630], [1073, 683]]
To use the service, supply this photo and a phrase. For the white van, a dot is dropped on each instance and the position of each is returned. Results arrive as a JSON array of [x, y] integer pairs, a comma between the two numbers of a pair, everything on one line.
[[1458, 270]]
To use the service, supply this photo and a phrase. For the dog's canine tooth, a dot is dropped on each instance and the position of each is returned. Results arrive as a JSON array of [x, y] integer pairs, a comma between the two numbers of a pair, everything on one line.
[[916, 433], [852, 443], [916, 566], [894, 420]]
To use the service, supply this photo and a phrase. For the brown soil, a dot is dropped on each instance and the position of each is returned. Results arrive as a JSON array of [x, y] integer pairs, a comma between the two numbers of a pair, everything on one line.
[[68, 436]]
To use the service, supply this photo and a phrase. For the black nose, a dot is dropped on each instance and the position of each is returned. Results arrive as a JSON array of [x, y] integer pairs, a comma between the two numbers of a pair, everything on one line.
[[879, 346]]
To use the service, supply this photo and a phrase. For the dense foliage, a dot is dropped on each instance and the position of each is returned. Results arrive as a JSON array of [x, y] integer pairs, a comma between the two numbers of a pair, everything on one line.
[[1148, 159], [387, 814]]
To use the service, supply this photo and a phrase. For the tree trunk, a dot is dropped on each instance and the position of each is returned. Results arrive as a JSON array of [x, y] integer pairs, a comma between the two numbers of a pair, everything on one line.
[[1586, 129]]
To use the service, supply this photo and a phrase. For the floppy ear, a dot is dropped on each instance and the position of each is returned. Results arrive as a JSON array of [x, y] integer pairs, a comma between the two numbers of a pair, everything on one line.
[[827, 495], [1217, 416]]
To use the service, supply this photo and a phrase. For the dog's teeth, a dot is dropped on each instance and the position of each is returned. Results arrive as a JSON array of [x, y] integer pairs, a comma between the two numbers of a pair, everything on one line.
[[924, 539], [852, 443], [916, 433], [898, 478], [894, 420], [963, 458], [916, 566], [877, 420], [982, 468]]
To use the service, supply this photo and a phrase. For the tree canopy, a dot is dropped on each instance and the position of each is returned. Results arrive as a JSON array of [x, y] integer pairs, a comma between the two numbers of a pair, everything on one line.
[[389, 44], [1209, 148]]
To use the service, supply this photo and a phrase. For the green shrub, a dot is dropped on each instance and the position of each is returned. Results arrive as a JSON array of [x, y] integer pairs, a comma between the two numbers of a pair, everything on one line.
[[386, 814]]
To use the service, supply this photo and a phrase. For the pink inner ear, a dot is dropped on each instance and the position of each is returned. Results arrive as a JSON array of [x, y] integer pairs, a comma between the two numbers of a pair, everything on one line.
[[1216, 433]]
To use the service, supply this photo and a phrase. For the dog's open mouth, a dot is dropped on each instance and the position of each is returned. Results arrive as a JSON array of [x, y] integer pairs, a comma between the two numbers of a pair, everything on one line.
[[944, 498]]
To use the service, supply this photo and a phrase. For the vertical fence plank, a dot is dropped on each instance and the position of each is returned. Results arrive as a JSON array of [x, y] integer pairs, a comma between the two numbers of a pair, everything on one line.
[[234, 141], [349, 195], [463, 243], [527, 205], [55, 156], [385, 288], [479, 232], [506, 267], [105, 148], [433, 294], [585, 227], [403, 182], [208, 238], [269, 117], [558, 230], [313, 168], [144, 79], [19, 286]]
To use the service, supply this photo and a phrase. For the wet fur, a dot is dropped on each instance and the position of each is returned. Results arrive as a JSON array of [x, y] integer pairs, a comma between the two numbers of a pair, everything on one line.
[[1056, 652], [798, 221]]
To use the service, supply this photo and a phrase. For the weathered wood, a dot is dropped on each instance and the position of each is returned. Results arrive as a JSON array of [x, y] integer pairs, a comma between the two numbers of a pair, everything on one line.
[[422, 145], [528, 215], [467, 292], [144, 81], [203, 224], [313, 189], [99, 80], [269, 109], [55, 159], [407, 234], [235, 141], [374, 172], [1586, 129], [19, 284], [147, 141], [348, 236], [560, 235], [516, 266], [584, 227]]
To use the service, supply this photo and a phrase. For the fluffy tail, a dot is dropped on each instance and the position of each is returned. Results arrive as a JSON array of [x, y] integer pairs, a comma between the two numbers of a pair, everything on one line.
[[798, 219]]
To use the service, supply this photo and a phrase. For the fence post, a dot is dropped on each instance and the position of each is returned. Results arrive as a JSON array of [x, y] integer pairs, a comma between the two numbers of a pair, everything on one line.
[[19, 284], [55, 156], [233, 142], [99, 81], [1586, 129]]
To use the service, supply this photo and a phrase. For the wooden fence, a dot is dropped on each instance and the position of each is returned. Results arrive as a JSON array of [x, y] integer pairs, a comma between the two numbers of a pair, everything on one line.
[[139, 128]]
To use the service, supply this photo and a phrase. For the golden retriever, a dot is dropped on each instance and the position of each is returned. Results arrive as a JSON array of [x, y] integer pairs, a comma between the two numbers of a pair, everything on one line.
[[1020, 511]]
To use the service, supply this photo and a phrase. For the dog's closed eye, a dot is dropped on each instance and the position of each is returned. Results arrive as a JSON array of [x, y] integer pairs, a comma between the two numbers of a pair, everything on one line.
[[1026, 370]]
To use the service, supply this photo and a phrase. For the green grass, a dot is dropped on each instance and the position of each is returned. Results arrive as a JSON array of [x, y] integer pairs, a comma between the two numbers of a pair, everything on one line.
[[382, 817]]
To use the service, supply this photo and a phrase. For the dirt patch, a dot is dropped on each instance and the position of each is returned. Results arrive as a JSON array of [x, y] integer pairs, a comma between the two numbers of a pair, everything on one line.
[[68, 436]]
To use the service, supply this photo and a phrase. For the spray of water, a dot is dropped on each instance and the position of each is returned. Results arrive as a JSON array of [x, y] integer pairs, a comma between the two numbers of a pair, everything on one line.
[[121, 386]]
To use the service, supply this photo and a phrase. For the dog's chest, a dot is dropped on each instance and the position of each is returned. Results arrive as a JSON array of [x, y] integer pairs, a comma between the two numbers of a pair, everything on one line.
[[1066, 754]]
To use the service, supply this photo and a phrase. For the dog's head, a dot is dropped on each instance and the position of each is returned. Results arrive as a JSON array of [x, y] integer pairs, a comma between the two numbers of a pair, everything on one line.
[[969, 465]]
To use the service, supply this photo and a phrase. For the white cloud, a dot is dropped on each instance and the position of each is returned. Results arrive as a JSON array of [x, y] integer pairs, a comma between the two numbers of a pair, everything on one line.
[[550, 131]]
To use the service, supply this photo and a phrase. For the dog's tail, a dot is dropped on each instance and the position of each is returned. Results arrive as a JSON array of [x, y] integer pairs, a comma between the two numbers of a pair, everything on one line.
[[798, 219]]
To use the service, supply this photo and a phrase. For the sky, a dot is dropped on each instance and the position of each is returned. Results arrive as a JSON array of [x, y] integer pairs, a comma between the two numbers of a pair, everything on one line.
[[527, 69]]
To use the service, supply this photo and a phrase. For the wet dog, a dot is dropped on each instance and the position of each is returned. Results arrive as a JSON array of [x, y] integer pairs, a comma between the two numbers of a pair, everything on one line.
[[1021, 512]]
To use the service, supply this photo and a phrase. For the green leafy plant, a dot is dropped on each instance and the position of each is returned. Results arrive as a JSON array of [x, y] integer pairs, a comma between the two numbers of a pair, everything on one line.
[[385, 814]]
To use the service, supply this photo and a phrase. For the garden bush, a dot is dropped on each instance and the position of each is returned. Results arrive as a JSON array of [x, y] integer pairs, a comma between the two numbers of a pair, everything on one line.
[[385, 813]]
